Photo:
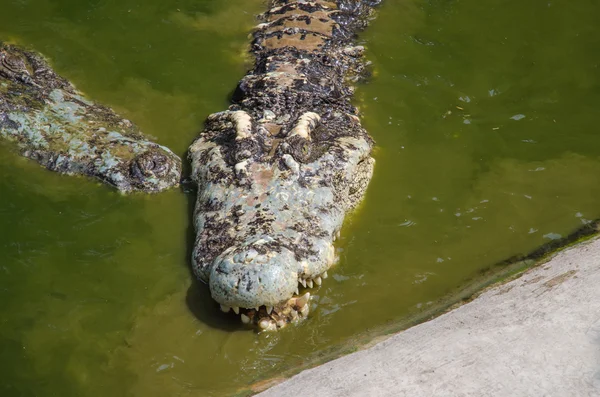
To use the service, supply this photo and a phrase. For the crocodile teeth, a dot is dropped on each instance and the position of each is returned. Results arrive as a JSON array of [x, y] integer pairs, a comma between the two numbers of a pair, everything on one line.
[[297, 291], [225, 309], [303, 282], [269, 309], [303, 300], [304, 311], [324, 275], [318, 281], [310, 283], [245, 319], [272, 327], [236, 310], [264, 323]]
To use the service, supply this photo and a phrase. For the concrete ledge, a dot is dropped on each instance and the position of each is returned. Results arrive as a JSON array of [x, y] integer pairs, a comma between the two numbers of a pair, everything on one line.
[[538, 335]]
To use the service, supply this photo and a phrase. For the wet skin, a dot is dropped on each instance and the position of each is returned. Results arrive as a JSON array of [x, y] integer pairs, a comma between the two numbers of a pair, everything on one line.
[[280, 169], [52, 123]]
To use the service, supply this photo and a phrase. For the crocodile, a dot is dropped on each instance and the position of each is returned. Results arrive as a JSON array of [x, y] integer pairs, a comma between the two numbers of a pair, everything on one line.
[[276, 173], [52, 123], [279, 170]]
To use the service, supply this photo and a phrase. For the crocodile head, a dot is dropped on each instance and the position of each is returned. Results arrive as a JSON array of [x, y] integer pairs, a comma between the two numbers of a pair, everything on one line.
[[55, 125], [271, 202], [137, 165]]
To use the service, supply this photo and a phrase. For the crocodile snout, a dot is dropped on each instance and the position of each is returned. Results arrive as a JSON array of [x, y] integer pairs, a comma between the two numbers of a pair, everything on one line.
[[253, 276]]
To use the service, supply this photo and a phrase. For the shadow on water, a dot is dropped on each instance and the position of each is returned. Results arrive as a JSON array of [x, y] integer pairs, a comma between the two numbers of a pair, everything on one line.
[[198, 299], [205, 309]]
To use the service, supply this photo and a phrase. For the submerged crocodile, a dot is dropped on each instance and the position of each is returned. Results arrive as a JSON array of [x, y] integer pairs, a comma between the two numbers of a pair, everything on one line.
[[55, 125], [276, 173], [280, 169]]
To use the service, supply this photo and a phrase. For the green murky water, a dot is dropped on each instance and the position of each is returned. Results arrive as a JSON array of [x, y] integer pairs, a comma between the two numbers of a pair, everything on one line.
[[485, 114]]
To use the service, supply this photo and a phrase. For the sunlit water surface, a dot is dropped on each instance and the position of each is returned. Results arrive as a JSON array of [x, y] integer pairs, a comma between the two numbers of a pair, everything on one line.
[[485, 117]]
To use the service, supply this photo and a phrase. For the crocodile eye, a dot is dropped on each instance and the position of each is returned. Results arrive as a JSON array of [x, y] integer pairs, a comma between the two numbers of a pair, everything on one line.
[[160, 167], [303, 150], [150, 164], [12, 63]]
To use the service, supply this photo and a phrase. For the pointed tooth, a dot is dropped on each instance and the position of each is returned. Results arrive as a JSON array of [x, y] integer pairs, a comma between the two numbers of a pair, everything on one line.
[[297, 291], [245, 319], [324, 275], [304, 310], [264, 323], [318, 281], [269, 309], [303, 282], [236, 310], [256, 308], [272, 327], [303, 300], [310, 283], [225, 309]]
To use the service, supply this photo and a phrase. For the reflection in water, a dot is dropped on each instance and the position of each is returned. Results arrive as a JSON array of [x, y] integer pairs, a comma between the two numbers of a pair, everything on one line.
[[485, 119]]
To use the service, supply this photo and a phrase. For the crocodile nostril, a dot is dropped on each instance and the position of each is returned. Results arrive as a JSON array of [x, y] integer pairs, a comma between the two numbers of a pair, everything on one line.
[[250, 255]]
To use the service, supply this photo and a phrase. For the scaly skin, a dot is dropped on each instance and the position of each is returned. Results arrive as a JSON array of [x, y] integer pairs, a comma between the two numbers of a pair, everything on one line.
[[280, 169], [53, 124]]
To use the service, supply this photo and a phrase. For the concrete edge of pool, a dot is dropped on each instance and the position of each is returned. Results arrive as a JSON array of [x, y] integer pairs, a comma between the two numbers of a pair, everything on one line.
[[528, 326]]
